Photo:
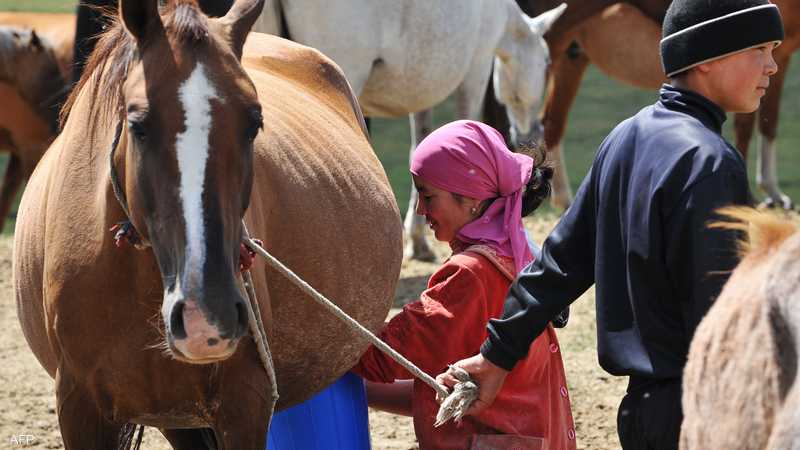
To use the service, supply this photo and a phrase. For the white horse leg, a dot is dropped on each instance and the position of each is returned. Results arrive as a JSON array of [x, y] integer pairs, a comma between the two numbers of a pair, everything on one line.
[[767, 176], [417, 246], [562, 192]]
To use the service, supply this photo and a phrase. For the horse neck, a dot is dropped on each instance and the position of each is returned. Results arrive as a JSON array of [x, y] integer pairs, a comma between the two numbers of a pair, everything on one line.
[[94, 125]]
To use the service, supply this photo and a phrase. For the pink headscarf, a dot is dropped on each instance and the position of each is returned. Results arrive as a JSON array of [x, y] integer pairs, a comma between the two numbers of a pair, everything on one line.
[[471, 159]]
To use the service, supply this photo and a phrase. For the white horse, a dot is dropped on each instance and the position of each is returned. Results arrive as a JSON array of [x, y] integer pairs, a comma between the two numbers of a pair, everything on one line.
[[406, 56]]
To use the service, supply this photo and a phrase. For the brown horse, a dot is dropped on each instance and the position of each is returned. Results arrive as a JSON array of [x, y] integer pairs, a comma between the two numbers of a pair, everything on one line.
[[155, 336], [589, 32], [35, 65], [32, 88], [740, 389], [56, 28]]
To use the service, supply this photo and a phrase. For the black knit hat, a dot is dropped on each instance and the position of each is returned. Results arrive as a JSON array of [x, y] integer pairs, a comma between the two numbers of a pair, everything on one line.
[[698, 31]]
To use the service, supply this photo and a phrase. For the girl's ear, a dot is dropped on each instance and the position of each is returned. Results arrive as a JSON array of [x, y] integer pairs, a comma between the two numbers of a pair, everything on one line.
[[476, 207]]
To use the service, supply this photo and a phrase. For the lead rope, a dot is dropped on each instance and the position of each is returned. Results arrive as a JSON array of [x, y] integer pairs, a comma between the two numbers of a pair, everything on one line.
[[257, 326], [453, 405]]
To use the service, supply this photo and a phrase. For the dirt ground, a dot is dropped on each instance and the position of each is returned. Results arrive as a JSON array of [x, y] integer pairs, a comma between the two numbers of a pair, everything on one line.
[[27, 400]]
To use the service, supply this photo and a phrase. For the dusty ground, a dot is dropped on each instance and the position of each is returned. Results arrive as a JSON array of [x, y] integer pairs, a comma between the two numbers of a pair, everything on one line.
[[27, 401]]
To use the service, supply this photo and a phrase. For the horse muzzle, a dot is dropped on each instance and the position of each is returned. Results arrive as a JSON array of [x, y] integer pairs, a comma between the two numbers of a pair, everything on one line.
[[198, 336], [535, 133]]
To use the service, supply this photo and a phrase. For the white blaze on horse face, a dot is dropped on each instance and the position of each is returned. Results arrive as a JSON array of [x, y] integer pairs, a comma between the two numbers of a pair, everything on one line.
[[192, 149]]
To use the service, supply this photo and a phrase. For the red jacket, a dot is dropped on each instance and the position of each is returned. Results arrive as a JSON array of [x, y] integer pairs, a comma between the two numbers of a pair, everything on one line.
[[447, 324]]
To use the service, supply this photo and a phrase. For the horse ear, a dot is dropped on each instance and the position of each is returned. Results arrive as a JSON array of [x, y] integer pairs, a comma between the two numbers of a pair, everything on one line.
[[541, 23], [36, 42], [241, 17], [138, 15]]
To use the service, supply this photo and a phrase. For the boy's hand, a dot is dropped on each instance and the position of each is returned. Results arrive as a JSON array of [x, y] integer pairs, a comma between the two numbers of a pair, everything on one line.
[[489, 378]]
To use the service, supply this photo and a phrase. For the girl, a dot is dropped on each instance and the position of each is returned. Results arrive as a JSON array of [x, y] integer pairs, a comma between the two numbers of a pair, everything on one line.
[[473, 192]]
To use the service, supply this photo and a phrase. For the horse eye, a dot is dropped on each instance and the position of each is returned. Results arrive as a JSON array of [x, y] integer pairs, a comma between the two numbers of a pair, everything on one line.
[[256, 124], [137, 128]]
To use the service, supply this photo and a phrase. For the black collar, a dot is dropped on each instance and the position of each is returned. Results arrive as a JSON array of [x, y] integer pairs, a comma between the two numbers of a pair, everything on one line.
[[693, 104]]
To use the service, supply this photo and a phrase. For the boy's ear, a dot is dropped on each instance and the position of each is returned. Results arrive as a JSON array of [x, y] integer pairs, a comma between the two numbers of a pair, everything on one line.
[[703, 68]]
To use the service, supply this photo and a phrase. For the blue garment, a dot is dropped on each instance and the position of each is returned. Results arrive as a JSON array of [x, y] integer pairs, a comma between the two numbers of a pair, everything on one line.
[[638, 229]]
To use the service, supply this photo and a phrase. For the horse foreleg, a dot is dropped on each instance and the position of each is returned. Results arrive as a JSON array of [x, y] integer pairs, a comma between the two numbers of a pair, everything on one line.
[[566, 74], [11, 183], [248, 397], [417, 246], [767, 173], [82, 425]]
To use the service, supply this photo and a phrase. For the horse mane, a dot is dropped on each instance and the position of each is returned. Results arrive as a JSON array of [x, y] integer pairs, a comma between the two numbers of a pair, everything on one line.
[[763, 231], [116, 52]]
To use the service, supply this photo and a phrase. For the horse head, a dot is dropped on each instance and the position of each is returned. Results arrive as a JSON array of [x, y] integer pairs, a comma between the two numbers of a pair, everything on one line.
[[29, 63], [520, 71], [192, 115]]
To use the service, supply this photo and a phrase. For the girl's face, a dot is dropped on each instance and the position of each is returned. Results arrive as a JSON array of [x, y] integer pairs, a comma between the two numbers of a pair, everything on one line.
[[445, 214]]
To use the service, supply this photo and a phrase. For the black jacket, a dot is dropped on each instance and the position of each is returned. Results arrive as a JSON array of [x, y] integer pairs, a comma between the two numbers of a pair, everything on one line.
[[638, 230]]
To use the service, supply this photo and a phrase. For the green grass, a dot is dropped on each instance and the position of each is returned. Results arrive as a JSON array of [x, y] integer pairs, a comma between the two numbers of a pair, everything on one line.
[[600, 105], [38, 5]]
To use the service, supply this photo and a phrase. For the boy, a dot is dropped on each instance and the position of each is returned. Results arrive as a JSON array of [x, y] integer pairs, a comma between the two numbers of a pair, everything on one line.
[[637, 227]]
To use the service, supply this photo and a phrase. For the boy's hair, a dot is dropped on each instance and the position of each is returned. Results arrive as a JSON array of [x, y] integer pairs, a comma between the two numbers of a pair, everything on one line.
[[699, 31]]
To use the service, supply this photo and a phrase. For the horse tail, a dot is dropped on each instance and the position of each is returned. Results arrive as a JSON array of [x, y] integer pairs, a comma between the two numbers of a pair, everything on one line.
[[763, 231], [126, 437]]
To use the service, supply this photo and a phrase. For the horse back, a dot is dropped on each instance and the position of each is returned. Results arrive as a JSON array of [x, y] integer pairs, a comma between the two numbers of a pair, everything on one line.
[[306, 68]]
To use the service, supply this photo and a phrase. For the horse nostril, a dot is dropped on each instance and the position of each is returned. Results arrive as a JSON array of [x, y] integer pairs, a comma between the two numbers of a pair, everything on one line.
[[176, 325]]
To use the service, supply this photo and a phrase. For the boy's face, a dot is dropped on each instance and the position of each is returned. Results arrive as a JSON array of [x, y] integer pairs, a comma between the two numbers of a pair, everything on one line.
[[740, 80]]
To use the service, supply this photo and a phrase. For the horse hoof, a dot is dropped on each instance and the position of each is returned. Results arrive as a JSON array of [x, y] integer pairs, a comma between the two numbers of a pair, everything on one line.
[[783, 202], [419, 251]]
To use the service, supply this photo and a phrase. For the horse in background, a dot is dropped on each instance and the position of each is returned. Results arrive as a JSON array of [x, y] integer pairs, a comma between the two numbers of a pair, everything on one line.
[[769, 112], [403, 58], [56, 28], [32, 89], [740, 389], [589, 33], [198, 131]]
